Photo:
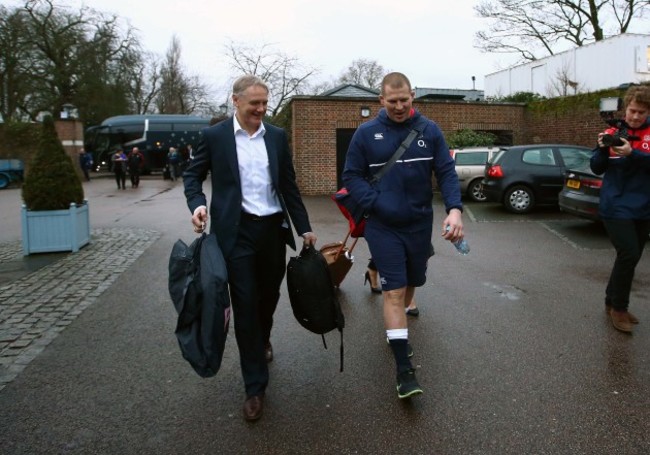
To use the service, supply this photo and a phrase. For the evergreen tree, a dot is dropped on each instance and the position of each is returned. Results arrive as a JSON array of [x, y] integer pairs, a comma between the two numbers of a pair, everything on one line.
[[51, 182]]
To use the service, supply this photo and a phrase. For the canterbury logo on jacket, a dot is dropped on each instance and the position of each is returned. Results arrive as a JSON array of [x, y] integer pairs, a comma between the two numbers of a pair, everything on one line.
[[404, 195]]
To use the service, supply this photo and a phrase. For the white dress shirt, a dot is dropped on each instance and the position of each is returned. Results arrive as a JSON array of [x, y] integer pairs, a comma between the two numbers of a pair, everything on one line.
[[258, 195]]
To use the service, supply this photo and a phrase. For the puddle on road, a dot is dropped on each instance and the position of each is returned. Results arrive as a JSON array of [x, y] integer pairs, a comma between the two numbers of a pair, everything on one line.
[[506, 291]]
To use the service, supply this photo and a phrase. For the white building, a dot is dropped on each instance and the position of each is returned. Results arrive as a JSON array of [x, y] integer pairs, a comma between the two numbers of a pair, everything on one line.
[[621, 59]]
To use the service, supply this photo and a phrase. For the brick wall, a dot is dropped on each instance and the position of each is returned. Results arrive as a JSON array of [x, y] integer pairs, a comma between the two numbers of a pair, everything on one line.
[[316, 119], [70, 133], [314, 139], [20, 148], [576, 126]]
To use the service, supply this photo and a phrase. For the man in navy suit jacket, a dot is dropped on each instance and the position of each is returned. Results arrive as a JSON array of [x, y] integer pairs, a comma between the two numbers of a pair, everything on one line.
[[254, 201]]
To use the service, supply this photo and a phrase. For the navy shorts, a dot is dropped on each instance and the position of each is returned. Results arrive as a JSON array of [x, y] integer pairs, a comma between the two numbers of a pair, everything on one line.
[[401, 256]]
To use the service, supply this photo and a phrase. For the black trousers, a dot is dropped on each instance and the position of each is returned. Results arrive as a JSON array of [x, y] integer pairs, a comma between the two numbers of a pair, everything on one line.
[[135, 177], [120, 178], [629, 238], [256, 268]]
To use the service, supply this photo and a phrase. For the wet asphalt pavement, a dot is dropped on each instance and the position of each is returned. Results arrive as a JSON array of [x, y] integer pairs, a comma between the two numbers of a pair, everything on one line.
[[513, 348]]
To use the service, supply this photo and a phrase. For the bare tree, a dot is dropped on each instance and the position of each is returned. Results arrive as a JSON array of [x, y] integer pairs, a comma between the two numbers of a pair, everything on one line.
[[171, 98], [144, 84], [536, 28], [51, 55], [284, 74], [180, 93], [13, 55], [563, 84], [367, 73], [322, 86], [198, 99]]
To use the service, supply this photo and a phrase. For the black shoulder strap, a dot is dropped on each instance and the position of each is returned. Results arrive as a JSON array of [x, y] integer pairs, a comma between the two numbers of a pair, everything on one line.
[[417, 129]]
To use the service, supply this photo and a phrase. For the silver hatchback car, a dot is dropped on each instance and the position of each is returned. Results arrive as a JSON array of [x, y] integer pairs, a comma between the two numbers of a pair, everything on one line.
[[470, 167]]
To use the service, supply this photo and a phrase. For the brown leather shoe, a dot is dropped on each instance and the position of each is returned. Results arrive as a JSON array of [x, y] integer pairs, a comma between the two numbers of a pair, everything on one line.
[[621, 321], [253, 407], [633, 319], [268, 352]]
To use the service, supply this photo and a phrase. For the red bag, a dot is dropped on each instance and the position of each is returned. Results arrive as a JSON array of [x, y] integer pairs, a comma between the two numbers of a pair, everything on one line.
[[354, 213]]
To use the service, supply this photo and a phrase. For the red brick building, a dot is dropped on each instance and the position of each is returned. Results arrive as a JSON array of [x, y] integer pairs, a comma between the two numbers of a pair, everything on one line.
[[322, 126]]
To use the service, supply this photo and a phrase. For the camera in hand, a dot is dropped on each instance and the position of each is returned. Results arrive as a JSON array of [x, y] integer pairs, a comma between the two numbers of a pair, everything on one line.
[[608, 107], [614, 139]]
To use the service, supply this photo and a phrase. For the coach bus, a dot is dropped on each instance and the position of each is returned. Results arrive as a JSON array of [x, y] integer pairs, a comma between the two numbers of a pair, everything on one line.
[[152, 134]]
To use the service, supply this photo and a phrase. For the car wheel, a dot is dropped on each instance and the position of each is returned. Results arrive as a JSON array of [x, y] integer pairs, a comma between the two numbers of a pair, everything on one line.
[[519, 199], [4, 181], [475, 192]]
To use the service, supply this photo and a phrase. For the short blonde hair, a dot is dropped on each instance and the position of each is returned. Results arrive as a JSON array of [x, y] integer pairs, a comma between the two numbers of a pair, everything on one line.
[[395, 80]]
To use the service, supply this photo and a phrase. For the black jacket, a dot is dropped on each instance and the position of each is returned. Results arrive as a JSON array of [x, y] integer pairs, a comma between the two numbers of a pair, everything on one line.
[[198, 286], [217, 153]]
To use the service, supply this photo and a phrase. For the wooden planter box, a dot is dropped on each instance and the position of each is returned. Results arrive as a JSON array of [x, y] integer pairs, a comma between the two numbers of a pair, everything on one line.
[[50, 231]]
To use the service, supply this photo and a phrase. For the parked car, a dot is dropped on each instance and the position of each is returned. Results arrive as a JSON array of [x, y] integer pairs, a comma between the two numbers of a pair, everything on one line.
[[580, 195], [470, 167], [523, 176]]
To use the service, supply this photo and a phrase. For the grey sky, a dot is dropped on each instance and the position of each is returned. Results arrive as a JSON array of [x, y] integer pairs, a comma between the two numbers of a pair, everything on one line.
[[431, 41]]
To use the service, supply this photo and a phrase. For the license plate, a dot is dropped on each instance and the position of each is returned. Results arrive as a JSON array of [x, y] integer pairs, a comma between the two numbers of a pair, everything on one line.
[[575, 184]]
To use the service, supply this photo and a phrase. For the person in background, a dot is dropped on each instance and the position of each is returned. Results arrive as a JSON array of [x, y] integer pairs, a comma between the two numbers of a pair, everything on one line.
[[624, 206], [135, 163], [255, 200], [119, 168], [174, 159], [399, 207], [85, 163], [372, 277]]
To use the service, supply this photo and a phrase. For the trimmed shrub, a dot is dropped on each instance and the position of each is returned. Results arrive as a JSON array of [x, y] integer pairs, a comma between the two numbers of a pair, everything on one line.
[[51, 182], [470, 138]]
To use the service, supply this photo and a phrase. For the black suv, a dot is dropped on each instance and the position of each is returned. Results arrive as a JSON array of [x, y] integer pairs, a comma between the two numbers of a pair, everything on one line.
[[522, 176]]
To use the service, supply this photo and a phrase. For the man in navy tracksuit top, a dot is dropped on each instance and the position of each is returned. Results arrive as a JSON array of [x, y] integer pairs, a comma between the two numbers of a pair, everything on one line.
[[625, 201], [400, 222]]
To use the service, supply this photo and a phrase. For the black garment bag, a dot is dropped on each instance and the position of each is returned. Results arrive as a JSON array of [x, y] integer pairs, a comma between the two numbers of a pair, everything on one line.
[[198, 286]]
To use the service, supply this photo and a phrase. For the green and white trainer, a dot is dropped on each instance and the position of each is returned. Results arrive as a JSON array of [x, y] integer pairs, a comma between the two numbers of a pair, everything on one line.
[[407, 384]]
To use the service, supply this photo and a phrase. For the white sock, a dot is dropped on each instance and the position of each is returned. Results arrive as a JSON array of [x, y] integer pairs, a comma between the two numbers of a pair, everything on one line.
[[397, 334]]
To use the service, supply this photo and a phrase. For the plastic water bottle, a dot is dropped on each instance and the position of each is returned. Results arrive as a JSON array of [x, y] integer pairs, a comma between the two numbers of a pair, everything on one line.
[[461, 245]]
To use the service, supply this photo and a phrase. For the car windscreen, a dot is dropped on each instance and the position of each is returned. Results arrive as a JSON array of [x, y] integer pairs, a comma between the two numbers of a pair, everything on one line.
[[497, 156], [575, 158]]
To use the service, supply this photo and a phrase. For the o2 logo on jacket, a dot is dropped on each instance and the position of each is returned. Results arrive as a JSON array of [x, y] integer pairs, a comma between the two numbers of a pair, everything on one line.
[[422, 144]]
